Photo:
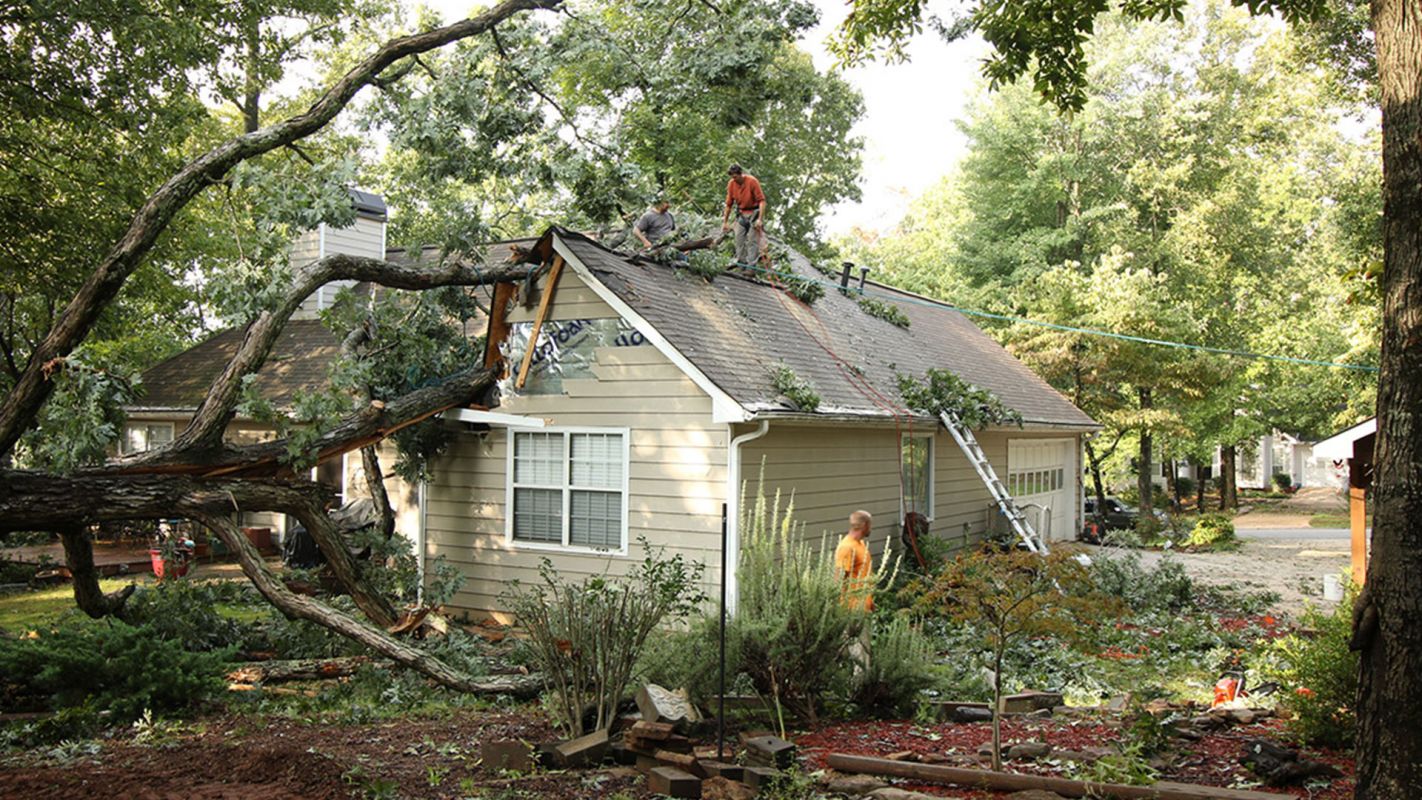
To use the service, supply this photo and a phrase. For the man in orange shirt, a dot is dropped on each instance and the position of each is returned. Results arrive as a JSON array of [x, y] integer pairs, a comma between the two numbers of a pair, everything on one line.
[[854, 563], [743, 193]]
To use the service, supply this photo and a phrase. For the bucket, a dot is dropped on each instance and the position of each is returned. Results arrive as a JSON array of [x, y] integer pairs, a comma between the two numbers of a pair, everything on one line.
[[1332, 589]]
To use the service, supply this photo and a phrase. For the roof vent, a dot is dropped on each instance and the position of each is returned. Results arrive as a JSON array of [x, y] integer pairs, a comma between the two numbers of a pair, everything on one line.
[[863, 274], [846, 267]]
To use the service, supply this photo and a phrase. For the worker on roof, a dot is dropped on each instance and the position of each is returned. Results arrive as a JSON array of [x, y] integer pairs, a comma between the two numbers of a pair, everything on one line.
[[655, 225], [855, 565], [743, 193]]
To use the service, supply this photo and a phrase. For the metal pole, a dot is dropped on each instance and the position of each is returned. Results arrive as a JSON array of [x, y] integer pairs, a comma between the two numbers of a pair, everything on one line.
[[721, 709]]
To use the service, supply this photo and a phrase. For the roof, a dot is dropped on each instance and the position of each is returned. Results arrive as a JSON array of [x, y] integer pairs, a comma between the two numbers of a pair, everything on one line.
[[736, 331], [368, 204], [297, 364], [1339, 446]]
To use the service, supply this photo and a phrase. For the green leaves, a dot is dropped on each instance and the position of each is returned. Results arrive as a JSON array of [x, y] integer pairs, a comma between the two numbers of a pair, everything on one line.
[[947, 393]]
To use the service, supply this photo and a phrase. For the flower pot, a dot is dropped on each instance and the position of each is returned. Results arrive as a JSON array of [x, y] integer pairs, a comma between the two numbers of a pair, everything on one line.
[[261, 538], [162, 569]]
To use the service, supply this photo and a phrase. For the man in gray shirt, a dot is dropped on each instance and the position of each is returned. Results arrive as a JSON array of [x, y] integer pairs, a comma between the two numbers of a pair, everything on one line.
[[655, 225]]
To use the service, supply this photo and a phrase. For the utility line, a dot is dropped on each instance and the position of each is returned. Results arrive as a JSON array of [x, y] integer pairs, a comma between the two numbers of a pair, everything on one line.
[[899, 298]]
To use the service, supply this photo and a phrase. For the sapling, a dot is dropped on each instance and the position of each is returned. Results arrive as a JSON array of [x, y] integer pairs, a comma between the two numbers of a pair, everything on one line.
[[1011, 595]]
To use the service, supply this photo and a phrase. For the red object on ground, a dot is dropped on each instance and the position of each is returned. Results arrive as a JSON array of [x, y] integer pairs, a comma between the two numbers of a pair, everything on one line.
[[1226, 689], [160, 567]]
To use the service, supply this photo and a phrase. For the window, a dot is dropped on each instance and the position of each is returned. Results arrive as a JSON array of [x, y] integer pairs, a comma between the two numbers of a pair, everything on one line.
[[916, 462], [1036, 481], [140, 436], [569, 489]]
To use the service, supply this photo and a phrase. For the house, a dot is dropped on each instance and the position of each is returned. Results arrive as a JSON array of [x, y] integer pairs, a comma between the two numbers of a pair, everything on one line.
[[649, 402]]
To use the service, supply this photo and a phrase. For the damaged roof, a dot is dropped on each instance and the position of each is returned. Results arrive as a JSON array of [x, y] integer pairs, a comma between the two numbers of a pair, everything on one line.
[[736, 331]]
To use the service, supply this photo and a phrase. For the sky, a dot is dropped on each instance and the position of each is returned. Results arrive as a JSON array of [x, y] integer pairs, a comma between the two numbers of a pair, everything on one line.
[[909, 131]]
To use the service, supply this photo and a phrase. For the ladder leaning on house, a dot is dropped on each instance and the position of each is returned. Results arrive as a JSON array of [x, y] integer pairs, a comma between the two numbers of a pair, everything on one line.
[[963, 435]]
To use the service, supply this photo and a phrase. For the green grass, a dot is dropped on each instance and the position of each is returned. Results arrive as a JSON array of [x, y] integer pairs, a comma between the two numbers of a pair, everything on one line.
[[1327, 520], [24, 611]]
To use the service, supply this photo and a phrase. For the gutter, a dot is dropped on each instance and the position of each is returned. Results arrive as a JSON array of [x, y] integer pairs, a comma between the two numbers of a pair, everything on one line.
[[733, 511]]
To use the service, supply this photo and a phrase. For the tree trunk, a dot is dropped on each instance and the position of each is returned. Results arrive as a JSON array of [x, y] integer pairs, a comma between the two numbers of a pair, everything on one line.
[[1143, 480], [1229, 477], [1389, 745], [79, 558], [375, 482], [299, 607], [1200, 479], [997, 703], [1172, 484]]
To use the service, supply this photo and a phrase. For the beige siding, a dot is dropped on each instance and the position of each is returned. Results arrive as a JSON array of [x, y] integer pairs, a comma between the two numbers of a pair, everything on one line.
[[677, 469], [834, 470], [365, 237]]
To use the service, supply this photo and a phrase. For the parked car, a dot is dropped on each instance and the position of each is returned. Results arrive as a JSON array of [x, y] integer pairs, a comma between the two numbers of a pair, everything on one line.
[[1116, 513]]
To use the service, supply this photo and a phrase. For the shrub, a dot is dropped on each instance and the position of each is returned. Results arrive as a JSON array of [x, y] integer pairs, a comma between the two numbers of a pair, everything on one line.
[[792, 631], [945, 392], [1213, 532], [111, 666], [1165, 588], [1282, 481], [187, 612], [898, 669], [585, 637], [1185, 486], [1320, 675]]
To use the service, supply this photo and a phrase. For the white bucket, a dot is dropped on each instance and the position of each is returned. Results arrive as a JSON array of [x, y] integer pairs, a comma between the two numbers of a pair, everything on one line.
[[1332, 589]]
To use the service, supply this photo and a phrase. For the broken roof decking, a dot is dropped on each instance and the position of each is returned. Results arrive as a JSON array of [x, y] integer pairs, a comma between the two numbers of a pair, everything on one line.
[[735, 331]]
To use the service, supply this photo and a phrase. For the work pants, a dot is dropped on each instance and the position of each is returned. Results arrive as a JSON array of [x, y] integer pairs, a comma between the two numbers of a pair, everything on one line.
[[748, 239]]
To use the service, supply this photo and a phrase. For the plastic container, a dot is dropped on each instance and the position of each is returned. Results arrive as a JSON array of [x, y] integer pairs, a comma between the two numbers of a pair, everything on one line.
[[1332, 589]]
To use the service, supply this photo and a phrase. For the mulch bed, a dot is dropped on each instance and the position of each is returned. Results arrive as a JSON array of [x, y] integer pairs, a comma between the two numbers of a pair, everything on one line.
[[235, 758], [1211, 761]]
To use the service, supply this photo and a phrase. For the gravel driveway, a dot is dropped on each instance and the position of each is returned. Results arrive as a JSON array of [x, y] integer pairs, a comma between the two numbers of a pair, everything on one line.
[[1289, 561]]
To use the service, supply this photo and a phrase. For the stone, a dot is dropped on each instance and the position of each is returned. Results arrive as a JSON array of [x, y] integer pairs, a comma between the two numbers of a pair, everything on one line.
[[770, 751], [759, 778], [645, 764], [621, 754], [891, 793], [933, 758], [852, 785], [510, 754], [1280, 766], [672, 782], [903, 755], [719, 788], [582, 751], [663, 705], [682, 761], [1119, 702], [1241, 716], [1029, 751], [965, 714], [943, 709], [1075, 755], [1025, 702], [720, 769]]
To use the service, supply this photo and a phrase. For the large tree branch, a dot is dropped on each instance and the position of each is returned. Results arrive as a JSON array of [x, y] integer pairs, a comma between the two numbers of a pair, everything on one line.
[[32, 389], [206, 428]]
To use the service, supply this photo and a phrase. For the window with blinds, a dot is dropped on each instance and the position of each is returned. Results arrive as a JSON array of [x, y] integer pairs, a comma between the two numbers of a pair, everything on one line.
[[568, 488], [140, 436]]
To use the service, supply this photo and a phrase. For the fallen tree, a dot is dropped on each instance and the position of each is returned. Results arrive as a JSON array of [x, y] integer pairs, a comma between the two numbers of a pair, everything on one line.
[[200, 476]]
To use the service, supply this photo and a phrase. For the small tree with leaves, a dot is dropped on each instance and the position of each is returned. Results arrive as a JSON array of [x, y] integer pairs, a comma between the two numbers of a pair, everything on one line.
[[1011, 595]]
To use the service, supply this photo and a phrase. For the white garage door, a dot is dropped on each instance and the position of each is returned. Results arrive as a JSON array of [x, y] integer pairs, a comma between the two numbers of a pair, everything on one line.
[[1041, 475]]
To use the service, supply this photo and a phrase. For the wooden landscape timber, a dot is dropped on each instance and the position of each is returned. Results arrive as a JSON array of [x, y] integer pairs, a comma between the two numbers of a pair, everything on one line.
[[1016, 782]]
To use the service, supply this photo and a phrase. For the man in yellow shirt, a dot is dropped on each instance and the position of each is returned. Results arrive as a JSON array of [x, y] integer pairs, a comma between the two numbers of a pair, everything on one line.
[[854, 563]]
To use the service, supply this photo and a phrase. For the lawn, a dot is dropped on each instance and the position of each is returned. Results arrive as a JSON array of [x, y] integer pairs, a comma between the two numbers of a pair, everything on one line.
[[24, 611]]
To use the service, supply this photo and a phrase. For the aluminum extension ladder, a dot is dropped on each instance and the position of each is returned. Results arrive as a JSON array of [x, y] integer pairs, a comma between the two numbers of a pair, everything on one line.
[[963, 435]]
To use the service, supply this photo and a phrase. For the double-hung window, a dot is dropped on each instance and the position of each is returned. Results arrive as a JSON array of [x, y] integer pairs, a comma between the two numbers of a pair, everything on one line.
[[916, 463], [140, 436], [568, 489]]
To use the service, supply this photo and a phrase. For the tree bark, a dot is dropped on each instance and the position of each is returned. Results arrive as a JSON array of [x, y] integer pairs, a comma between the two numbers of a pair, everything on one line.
[[1229, 477], [1172, 484], [79, 558], [299, 607], [1199, 487], [1143, 479], [375, 482], [29, 393], [1389, 744]]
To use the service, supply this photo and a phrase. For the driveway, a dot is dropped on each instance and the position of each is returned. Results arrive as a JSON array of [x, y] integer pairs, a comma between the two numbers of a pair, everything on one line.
[[1290, 561]]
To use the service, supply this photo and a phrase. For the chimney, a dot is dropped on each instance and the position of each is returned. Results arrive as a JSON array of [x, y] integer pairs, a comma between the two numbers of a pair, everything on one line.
[[365, 236]]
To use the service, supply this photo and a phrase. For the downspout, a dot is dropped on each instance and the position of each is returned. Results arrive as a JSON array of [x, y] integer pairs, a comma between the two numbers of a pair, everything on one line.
[[423, 497], [733, 511]]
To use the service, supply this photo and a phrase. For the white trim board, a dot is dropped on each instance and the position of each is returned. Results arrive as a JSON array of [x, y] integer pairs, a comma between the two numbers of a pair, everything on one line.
[[493, 418], [723, 407]]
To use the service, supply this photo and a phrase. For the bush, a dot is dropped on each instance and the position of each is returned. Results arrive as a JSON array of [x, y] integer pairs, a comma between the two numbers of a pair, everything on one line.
[[1185, 486], [1165, 588], [585, 637], [187, 612], [1213, 532], [1282, 481], [899, 668], [110, 666], [1321, 676]]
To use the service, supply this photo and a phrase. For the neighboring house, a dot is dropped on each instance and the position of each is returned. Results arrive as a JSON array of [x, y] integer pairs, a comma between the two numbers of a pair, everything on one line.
[[649, 405], [1263, 458]]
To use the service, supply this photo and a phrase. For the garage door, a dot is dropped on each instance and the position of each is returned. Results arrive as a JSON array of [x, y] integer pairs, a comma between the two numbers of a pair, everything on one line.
[[1041, 475]]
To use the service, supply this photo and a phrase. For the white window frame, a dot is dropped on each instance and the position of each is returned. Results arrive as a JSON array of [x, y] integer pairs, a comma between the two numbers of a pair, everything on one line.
[[932, 475], [567, 489], [148, 439], [345, 491]]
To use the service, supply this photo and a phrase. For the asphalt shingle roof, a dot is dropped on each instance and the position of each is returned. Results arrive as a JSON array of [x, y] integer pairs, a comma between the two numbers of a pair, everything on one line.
[[736, 331]]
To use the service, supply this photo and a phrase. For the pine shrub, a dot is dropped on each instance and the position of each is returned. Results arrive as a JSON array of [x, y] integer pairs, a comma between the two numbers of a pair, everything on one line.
[[1320, 675]]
